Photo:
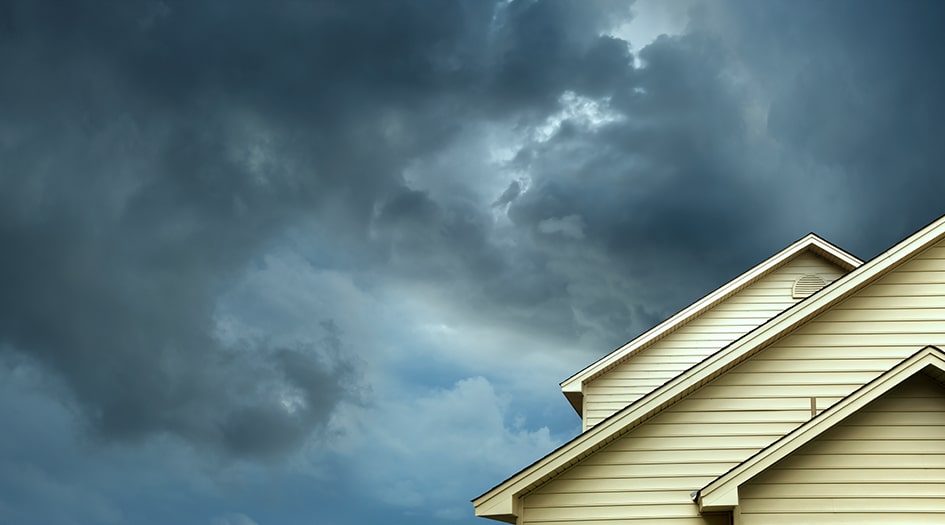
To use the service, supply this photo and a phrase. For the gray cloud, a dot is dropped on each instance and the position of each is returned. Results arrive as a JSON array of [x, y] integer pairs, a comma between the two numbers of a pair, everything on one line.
[[656, 187], [154, 150], [510, 194], [855, 96], [138, 186]]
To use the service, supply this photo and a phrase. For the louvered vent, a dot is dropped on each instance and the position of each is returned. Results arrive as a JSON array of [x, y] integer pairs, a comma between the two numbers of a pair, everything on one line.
[[807, 285]]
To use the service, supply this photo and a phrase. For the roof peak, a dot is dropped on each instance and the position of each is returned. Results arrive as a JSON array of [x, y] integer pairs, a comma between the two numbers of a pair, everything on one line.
[[809, 242]]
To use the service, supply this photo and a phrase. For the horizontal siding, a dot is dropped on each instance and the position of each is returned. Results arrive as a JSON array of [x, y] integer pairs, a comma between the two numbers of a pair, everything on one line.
[[802, 518], [700, 338], [852, 489], [665, 518], [877, 466], [872, 503], [699, 438], [610, 498], [658, 457], [763, 364], [881, 310], [675, 444], [667, 485], [608, 512]]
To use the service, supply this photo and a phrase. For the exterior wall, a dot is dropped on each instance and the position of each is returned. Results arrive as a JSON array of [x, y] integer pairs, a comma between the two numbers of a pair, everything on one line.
[[648, 474], [700, 338], [885, 464]]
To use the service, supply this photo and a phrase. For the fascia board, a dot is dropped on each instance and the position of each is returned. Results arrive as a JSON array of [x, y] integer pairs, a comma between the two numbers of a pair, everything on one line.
[[841, 257]]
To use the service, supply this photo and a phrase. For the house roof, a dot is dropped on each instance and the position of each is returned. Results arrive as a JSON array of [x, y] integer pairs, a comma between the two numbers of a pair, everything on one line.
[[572, 386], [501, 501], [722, 493]]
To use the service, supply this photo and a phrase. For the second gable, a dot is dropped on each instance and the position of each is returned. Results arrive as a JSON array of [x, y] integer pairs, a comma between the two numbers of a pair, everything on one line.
[[701, 337]]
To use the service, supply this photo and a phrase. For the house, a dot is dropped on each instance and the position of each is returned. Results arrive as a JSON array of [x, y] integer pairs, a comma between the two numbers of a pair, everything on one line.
[[810, 389]]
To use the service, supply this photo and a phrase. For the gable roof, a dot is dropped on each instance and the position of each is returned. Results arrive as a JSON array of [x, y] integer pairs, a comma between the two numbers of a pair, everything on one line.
[[501, 501], [722, 493], [572, 386]]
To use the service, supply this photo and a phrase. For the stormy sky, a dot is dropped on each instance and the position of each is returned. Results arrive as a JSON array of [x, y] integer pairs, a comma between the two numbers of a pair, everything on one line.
[[325, 262]]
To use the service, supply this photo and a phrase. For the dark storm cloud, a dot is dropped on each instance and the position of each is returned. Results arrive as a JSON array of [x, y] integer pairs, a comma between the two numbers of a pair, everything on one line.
[[658, 186], [151, 150], [849, 143], [856, 88], [546, 48], [150, 153]]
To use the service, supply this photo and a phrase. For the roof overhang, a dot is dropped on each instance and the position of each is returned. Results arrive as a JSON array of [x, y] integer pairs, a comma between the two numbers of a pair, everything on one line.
[[722, 493]]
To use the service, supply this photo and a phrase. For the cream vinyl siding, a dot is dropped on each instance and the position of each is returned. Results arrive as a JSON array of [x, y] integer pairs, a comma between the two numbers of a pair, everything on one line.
[[701, 337], [885, 464], [655, 467]]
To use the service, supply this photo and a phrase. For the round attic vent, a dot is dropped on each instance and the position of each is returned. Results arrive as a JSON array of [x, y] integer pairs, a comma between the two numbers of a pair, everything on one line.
[[807, 285]]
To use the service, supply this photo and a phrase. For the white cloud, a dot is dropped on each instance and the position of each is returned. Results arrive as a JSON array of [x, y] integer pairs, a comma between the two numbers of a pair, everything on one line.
[[585, 111], [652, 18]]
